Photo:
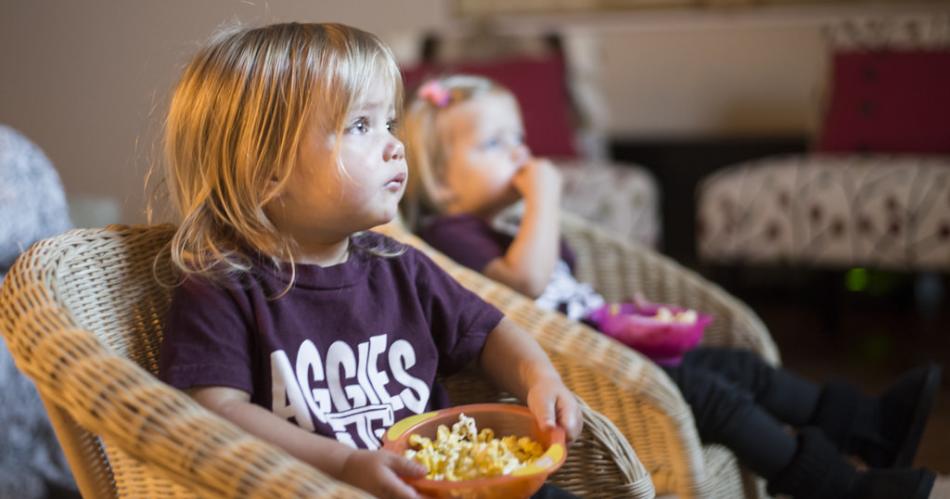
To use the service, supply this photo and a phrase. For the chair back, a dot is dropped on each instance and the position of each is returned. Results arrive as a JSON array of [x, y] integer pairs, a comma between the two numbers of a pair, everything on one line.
[[101, 281], [77, 308], [82, 315]]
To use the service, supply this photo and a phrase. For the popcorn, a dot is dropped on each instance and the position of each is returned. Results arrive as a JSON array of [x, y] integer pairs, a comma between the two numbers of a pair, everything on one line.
[[664, 315], [667, 316], [687, 317], [464, 453]]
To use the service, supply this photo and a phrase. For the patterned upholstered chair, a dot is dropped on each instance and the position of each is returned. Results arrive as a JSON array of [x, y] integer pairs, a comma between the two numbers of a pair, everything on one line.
[[883, 211], [626, 387], [82, 315], [877, 190], [622, 198]]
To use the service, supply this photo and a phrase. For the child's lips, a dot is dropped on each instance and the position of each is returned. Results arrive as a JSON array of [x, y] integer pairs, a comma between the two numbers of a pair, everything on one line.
[[396, 182]]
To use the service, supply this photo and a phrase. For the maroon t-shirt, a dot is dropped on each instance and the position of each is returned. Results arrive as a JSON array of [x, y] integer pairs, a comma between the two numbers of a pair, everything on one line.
[[348, 351], [473, 242]]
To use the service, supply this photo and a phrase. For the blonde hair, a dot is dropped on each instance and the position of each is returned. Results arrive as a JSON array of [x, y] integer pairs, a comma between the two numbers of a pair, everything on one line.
[[236, 120], [426, 152]]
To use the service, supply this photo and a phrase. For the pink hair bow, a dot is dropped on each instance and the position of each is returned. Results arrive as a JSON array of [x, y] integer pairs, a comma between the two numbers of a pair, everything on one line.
[[434, 92]]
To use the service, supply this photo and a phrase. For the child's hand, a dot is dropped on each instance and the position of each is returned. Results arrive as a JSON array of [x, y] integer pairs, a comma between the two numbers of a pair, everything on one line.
[[538, 179], [552, 403], [378, 472]]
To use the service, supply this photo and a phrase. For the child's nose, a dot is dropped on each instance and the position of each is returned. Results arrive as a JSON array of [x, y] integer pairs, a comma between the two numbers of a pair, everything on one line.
[[394, 151]]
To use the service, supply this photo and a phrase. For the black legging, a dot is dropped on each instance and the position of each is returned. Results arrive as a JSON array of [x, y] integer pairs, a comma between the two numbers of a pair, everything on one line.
[[548, 491], [743, 403]]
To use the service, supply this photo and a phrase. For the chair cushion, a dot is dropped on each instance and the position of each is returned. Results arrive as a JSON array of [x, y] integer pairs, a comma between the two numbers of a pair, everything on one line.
[[622, 198], [889, 101], [829, 210]]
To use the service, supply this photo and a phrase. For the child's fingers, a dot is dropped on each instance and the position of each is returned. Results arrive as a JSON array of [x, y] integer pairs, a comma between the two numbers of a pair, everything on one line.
[[406, 467], [544, 411], [397, 489], [569, 416], [402, 467]]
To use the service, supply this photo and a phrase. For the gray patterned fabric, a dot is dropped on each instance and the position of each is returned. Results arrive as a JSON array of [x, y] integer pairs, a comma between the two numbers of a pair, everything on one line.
[[32, 206], [829, 210], [622, 198], [575, 299], [32, 202], [921, 31]]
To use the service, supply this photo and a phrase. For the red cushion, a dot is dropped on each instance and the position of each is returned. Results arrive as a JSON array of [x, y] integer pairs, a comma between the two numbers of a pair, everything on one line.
[[539, 85], [889, 101]]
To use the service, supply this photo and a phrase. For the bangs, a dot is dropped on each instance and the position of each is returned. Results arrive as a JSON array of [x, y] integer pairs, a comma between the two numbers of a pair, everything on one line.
[[372, 65]]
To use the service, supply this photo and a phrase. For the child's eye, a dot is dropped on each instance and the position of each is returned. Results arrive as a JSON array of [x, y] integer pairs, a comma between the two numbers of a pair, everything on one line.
[[491, 143], [360, 126]]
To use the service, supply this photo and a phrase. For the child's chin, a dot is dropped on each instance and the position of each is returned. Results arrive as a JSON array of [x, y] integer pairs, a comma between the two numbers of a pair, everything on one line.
[[383, 218]]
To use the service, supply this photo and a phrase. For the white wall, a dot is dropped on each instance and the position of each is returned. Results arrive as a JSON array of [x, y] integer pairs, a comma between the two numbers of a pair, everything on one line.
[[88, 80], [714, 82]]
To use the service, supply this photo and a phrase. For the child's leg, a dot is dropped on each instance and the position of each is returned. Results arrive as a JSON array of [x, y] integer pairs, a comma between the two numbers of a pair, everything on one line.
[[883, 431], [807, 465], [727, 414], [786, 396], [548, 491], [818, 471]]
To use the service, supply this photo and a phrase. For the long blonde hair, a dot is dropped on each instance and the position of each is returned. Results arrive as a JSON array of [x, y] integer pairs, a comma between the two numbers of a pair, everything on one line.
[[236, 121], [426, 152]]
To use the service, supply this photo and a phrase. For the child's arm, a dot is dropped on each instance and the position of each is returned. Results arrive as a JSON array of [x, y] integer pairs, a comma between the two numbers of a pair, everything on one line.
[[527, 265], [517, 364], [375, 472]]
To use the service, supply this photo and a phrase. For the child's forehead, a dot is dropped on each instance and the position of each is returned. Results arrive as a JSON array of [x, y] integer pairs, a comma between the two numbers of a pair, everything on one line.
[[378, 95], [484, 113]]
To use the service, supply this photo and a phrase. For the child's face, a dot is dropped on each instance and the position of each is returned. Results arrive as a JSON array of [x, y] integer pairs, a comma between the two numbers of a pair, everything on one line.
[[323, 202], [485, 148]]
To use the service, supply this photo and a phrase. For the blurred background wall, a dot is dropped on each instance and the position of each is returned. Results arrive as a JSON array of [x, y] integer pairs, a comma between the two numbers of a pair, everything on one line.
[[88, 81]]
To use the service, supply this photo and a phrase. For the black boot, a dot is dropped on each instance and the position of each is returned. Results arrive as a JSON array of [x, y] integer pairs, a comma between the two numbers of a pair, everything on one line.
[[818, 471], [883, 431]]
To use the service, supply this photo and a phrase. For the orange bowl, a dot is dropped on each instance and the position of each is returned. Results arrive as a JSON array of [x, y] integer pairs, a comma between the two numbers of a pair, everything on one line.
[[503, 419]]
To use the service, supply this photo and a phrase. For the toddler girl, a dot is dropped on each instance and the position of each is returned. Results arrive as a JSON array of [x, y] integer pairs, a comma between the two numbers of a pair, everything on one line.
[[468, 162], [291, 320]]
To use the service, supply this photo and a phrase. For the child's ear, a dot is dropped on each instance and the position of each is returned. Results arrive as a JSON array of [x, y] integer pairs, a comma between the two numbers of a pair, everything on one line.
[[273, 192]]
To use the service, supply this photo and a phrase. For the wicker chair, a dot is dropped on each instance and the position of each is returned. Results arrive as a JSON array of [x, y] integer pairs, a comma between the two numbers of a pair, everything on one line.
[[82, 314], [620, 383]]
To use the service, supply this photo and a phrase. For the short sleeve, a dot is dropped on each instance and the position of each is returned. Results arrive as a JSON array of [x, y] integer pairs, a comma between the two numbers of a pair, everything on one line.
[[460, 321], [466, 240], [207, 341]]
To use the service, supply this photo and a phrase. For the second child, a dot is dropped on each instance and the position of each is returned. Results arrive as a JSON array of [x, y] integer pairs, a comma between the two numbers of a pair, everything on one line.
[[469, 162]]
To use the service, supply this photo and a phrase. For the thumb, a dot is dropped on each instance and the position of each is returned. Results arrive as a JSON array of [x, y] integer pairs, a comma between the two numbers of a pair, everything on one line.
[[543, 411], [406, 467], [568, 416]]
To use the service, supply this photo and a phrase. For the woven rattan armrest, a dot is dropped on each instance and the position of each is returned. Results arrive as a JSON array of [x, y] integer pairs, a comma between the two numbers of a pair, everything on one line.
[[617, 382], [129, 435], [619, 269], [112, 397]]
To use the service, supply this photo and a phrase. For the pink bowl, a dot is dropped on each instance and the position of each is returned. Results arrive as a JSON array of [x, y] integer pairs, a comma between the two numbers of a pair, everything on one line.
[[636, 327]]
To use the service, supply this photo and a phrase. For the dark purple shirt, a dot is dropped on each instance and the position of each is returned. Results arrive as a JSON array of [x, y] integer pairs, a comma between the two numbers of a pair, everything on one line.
[[473, 242], [347, 352]]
